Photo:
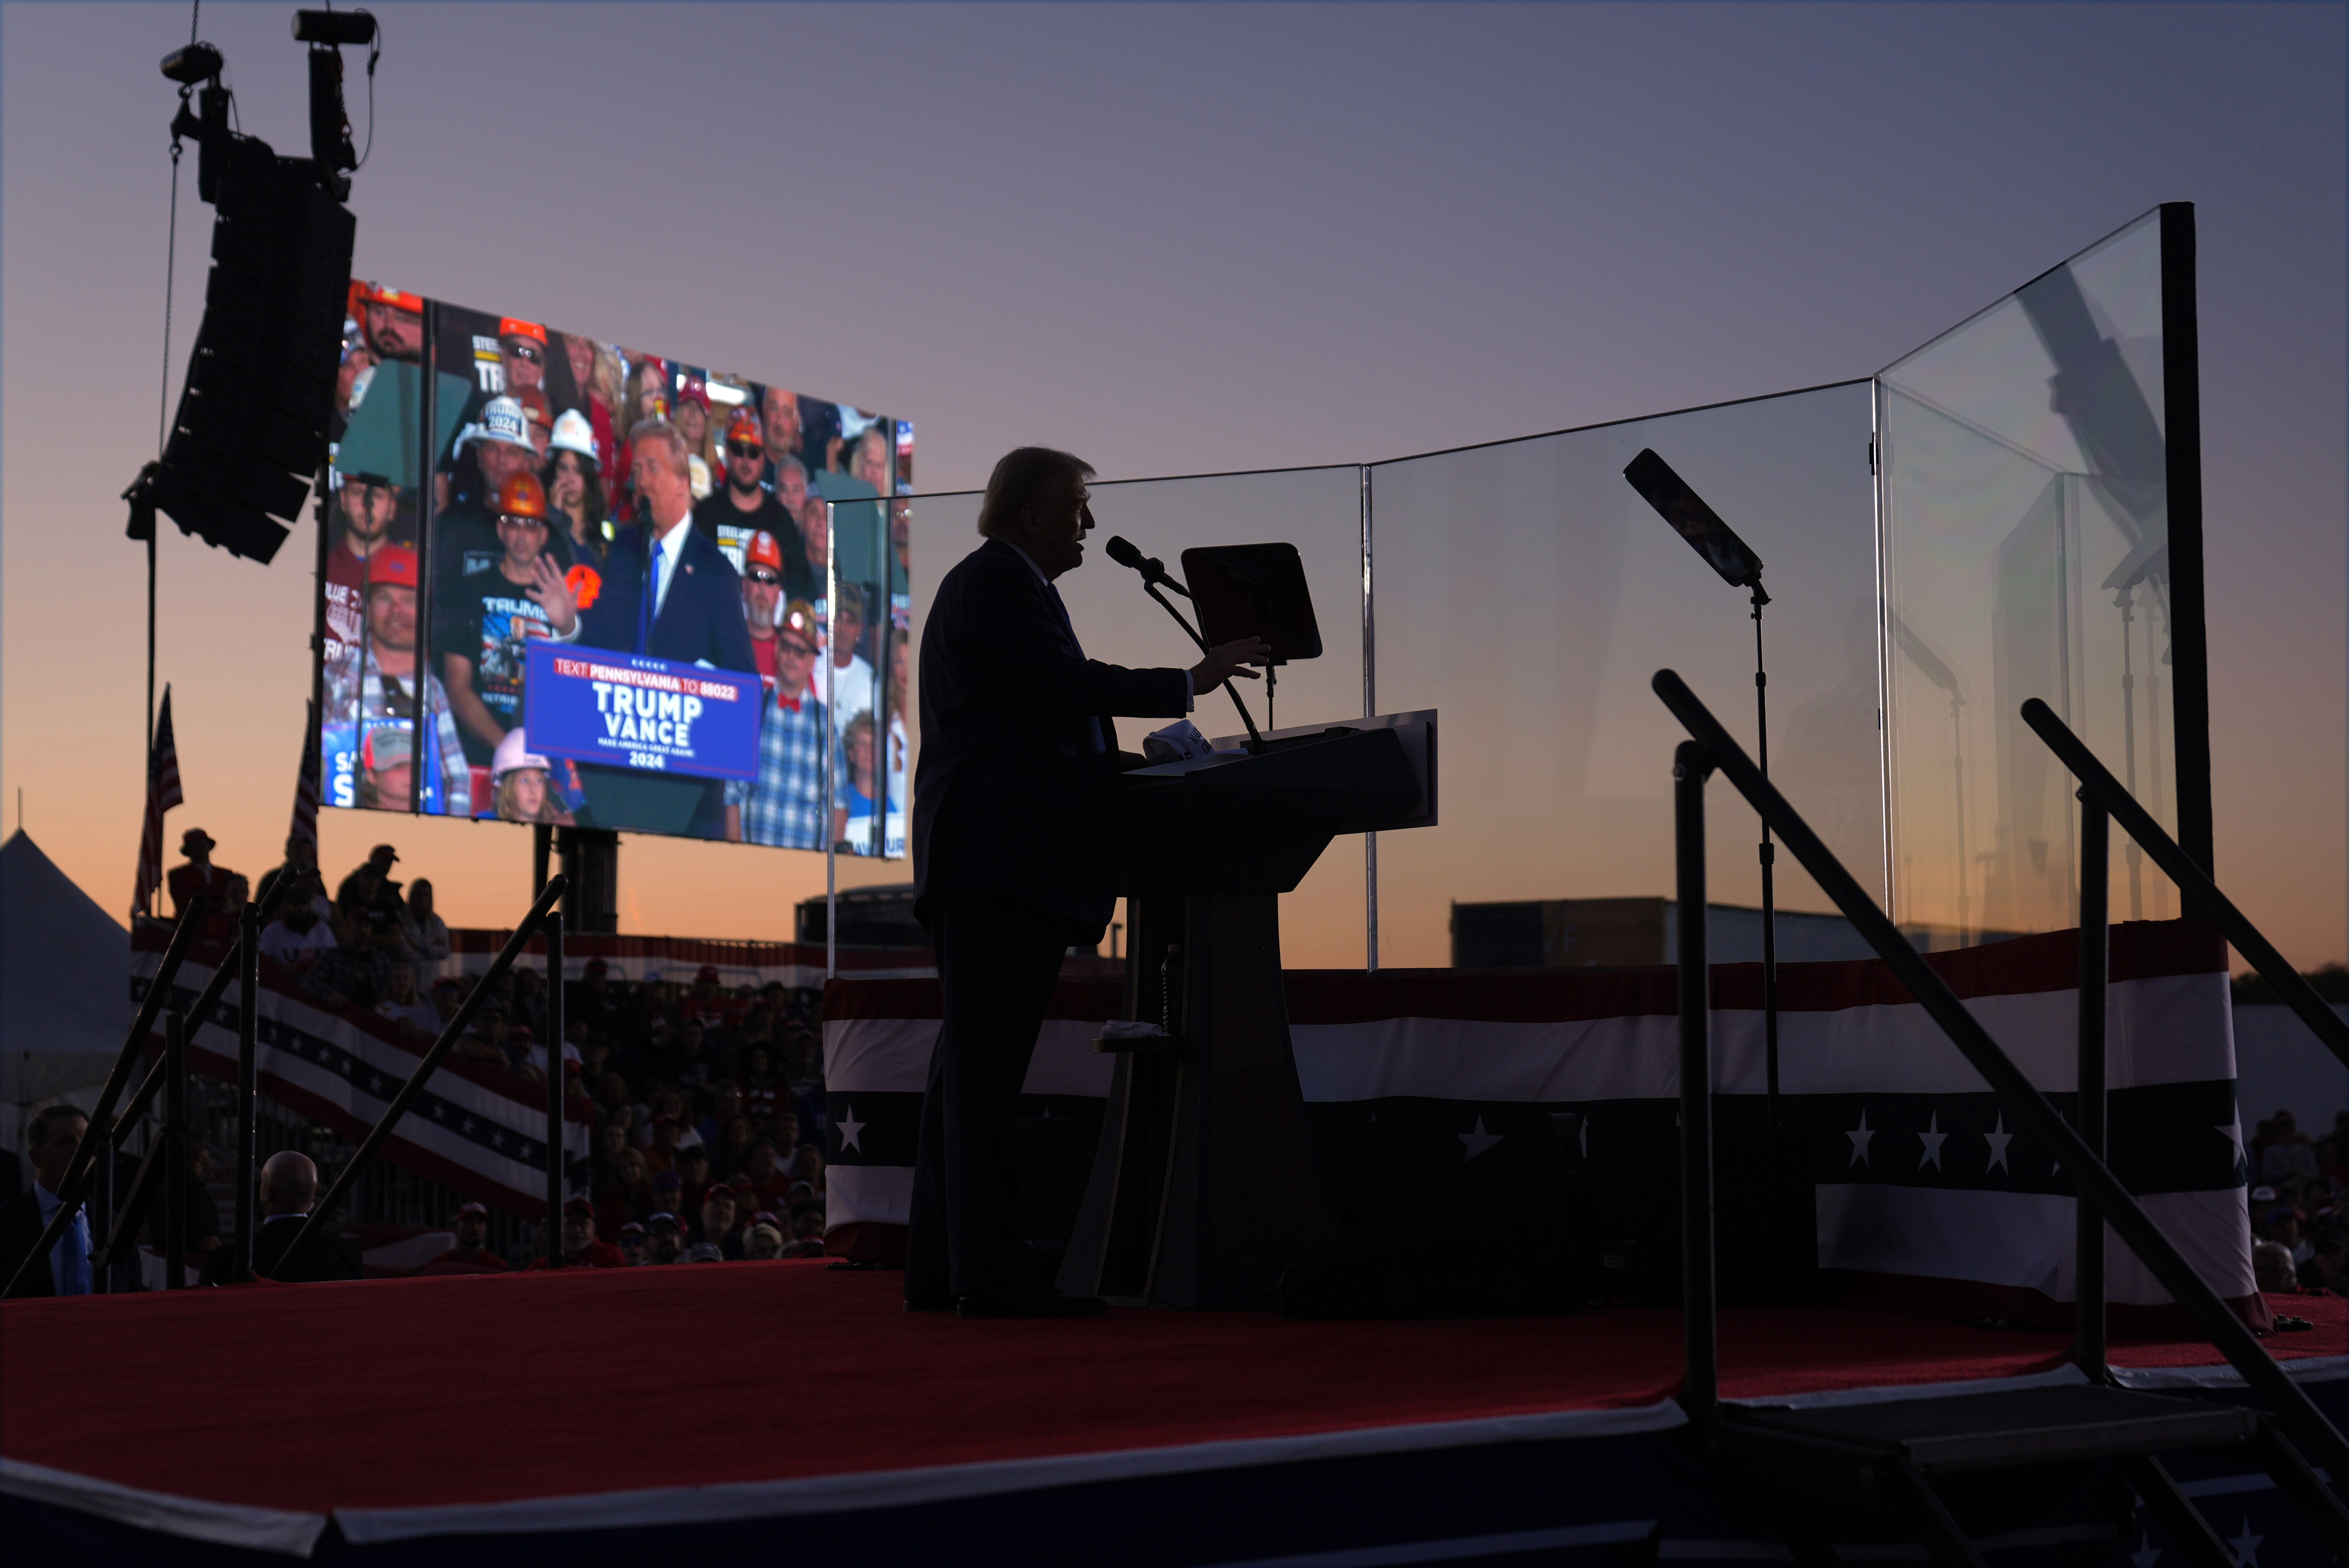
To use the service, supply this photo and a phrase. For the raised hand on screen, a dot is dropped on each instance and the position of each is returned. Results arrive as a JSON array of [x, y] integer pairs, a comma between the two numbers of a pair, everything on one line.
[[550, 593]]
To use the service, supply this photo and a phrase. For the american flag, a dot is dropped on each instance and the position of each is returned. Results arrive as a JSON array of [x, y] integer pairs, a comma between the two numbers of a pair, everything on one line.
[[306, 787], [162, 794]]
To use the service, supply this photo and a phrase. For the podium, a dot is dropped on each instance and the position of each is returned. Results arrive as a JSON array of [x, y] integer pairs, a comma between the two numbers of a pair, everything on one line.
[[1204, 1186]]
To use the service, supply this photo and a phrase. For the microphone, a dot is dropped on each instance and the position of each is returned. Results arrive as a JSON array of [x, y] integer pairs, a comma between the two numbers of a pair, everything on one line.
[[1154, 571]]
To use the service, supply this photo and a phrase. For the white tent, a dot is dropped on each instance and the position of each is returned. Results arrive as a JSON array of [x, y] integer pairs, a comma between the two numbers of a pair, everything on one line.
[[65, 986]]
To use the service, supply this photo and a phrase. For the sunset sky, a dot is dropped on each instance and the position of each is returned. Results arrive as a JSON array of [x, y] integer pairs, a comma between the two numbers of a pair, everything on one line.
[[1175, 239]]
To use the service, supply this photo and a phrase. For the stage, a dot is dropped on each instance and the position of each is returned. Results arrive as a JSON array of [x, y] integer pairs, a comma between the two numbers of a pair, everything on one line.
[[794, 1411]]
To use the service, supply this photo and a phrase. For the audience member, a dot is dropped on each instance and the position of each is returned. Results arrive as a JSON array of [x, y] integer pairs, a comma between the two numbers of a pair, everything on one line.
[[425, 934], [2271, 1268], [762, 1241], [298, 936], [471, 1254], [581, 1249], [717, 1222], [664, 1239], [402, 1004], [50, 1140], [632, 1244], [355, 971], [197, 874], [289, 1188]]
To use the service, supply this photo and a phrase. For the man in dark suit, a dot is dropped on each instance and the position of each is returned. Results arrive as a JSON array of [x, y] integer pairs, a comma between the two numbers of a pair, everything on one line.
[[1014, 848], [50, 1142], [289, 1187], [678, 597]]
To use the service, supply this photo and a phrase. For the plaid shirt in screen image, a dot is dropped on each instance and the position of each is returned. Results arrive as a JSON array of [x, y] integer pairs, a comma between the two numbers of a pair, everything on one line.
[[786, 804], [352, 699]]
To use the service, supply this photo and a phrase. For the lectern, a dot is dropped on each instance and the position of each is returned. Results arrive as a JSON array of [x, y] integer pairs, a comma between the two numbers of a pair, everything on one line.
[[1205, 1187]]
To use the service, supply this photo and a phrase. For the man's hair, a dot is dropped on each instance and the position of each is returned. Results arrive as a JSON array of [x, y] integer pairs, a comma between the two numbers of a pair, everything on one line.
[[47, 1118], [664, 432], [1019, 477]]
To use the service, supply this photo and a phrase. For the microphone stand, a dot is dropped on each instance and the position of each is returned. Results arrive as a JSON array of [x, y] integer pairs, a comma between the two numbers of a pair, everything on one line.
[[1150, 586]]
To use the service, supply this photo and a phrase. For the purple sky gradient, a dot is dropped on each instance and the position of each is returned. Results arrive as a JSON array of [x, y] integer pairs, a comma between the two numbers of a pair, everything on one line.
[[1174, 239]]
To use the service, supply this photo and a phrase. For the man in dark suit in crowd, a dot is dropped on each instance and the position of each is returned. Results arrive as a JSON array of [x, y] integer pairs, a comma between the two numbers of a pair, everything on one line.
[[1014, 849], [678, 597], [49, 1141], [289, 1187]]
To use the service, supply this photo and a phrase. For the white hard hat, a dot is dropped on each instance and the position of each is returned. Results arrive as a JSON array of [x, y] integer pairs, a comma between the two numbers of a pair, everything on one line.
[[573, 433], [511, 753], [503, 420]]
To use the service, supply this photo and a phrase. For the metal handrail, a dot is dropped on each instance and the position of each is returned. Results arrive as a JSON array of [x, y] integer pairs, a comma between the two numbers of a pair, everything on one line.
[[99, 1131], [199, 1010], [463, 1020], [2021, 1099], [2193, 882]]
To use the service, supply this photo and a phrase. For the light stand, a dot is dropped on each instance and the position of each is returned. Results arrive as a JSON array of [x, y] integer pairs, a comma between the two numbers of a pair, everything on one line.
[[1740, 568]]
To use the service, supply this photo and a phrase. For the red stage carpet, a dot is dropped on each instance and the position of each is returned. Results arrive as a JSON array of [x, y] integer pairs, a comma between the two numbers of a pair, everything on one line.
[[443, 1406]]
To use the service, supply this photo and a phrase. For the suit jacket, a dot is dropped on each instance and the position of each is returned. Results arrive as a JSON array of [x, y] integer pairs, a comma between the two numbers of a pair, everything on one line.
[[701, 617], [327, 1256], [1016, 792], [20, 1231]]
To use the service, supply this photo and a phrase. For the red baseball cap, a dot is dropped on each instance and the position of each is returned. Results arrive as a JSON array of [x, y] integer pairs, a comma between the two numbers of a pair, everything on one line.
[[580, 1206], [744, 425], [509, 327], [392, 564], [694, 391], [480, 1208]]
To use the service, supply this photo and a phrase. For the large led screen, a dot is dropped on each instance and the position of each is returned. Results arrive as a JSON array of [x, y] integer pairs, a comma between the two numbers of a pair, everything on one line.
[[565, 581]]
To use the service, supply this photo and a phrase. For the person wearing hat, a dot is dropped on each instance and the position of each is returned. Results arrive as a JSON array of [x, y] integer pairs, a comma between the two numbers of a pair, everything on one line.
[[632, 1245], [365, 511], [379, 684], [520, 790], [745, 507], [575, 486], [852, 678], [465, 535], [491, 614], [690, 414], [538, 415], [664, 1239], [197, 874], [521, 350], [581, 1250], [393, 321], [785, 806], [471, 1254]]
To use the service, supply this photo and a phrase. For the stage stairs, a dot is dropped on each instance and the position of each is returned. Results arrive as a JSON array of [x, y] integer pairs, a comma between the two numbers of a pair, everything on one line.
[[1809, 1470]]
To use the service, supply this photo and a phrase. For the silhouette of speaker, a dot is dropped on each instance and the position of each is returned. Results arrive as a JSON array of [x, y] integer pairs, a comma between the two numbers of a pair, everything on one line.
[[1509, 1233]]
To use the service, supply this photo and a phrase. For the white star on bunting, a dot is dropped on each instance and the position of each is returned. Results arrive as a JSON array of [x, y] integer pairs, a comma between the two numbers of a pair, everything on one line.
[[2147, 1553], [2247, 1546], [2233, 1133], [1478, 1141], [851, 1130], [1932, 1136], [1999, 1139], [1859, 1140]]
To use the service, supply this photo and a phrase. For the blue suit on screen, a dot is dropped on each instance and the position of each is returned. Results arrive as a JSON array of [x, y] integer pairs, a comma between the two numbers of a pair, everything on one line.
[[699, 621]]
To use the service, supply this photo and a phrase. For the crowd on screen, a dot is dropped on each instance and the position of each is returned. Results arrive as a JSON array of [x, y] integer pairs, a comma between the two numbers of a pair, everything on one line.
[[590, 495]]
